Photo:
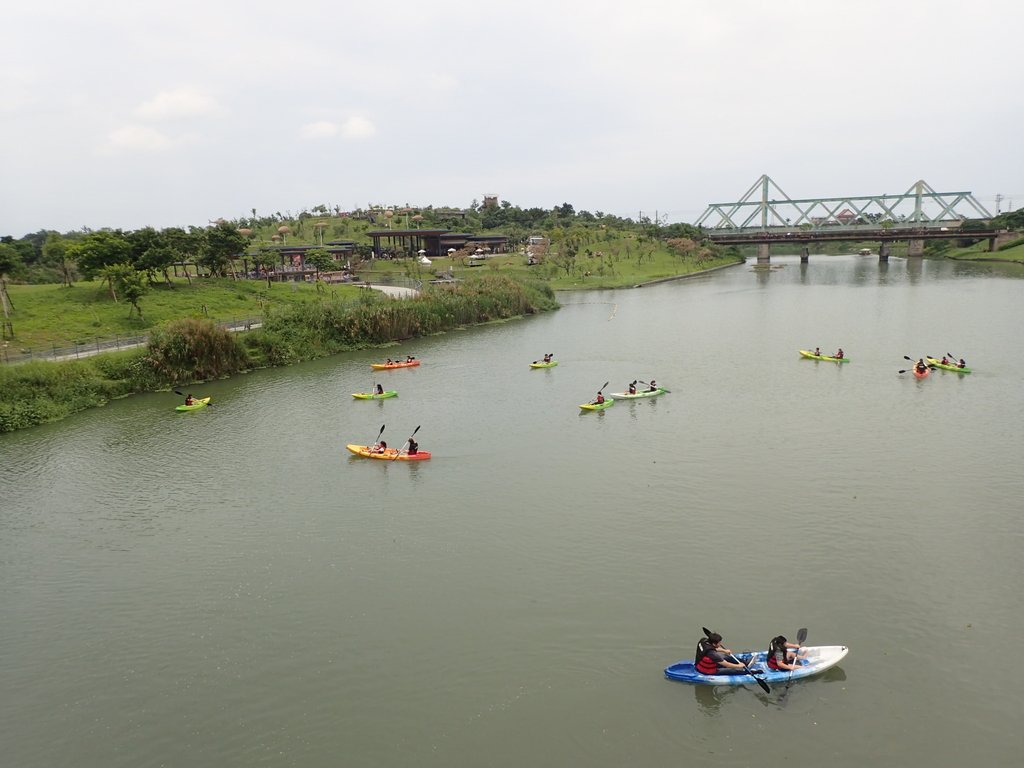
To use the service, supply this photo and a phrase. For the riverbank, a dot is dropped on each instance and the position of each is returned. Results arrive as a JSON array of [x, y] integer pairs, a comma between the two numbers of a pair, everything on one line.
[[191, 350]]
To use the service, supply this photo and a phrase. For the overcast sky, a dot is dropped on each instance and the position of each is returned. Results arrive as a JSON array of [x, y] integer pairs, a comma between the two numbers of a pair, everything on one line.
[[127, 113]]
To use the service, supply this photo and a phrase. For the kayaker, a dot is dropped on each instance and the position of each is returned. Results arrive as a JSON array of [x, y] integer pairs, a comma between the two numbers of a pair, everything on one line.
[[652, 387], [409, 358], [711, 658], [632, 388], [380, 447], [379, 390], [599, 399], [944, 360], [413, 447], [920, 366], [838, 355], [189, 400], [817, 351], [389, 361], [961, 364], [780, 655]]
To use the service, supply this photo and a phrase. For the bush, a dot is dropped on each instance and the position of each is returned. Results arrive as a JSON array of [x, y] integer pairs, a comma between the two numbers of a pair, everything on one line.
[[191, 349]]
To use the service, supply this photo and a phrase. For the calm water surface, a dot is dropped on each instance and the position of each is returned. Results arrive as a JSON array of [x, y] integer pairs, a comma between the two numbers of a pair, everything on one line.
[[230, 587]]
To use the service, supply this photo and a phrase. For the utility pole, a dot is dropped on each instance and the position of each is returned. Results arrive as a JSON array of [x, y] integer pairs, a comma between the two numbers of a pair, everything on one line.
[[999, 199]]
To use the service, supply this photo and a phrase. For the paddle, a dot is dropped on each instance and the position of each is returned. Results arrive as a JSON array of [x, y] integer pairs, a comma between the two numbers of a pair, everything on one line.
[[378, 436], [407, 442], [594, 402], [801, 636], [175, 391], [666, 391], [759, 681]]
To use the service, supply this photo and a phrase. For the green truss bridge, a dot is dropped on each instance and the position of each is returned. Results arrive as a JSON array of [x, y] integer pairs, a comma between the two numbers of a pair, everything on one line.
[[766, 215]]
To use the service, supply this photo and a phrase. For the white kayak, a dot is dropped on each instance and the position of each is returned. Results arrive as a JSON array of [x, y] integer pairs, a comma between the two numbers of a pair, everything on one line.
[[814, 659]]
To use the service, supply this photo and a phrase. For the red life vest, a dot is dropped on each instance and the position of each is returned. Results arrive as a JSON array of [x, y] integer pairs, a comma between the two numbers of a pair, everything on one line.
[[703, 662], [773, 649]]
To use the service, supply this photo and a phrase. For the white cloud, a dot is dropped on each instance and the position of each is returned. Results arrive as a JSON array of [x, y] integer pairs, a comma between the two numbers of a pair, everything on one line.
[[178, 103], [135, 138], [358, 128], [321, 129]]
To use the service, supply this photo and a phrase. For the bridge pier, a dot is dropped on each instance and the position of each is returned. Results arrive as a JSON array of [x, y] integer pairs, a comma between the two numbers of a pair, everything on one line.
[[763, 253], [1001, 238], [805, 253], [915, 247], [883, 251]]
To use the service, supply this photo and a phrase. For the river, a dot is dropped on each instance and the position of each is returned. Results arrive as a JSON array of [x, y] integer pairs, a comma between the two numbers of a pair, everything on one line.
[[230, 587]]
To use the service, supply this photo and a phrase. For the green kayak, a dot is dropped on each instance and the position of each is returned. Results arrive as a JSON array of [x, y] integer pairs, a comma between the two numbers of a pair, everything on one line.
[[196, 405], [945, 367], [598, 406], [374, 396], [812, 356], [552, 364]]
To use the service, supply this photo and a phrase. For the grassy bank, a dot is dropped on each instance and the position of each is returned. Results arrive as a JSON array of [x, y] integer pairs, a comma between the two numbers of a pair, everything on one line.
[[190, 349], [52, 315]]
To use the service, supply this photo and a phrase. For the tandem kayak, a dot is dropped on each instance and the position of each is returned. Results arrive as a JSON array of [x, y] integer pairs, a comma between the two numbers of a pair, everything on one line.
[[391, 454], [598, 406], [627, 396], [389, 366], [552, 364], [813, 660], [196, 405], [921, 374], [946, 367], [829, 358], [374, 395]]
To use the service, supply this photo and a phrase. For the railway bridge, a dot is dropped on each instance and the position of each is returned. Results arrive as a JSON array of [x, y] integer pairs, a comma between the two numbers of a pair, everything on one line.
[[766, 215]]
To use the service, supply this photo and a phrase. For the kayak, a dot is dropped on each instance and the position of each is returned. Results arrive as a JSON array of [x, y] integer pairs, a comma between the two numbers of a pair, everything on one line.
[[627, 396], [945, 367], [196, 405], [812, 356], [391, 454], [598, 406], [921, 374], [813, 660], [389, 366], [552, 364], [374, 396]]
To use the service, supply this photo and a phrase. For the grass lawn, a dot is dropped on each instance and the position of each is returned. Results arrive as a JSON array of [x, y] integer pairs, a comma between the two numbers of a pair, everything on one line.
[[980, 251], [52, 315]]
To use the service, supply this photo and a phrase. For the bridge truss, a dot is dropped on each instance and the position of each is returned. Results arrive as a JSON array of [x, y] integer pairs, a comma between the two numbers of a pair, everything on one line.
[[918, 207]]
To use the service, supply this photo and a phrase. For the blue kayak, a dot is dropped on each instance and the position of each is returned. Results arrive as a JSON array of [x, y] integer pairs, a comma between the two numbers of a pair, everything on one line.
[[813, 660]]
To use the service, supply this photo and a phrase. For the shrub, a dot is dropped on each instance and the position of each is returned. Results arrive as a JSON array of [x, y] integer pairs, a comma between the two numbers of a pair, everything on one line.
[[192, 349]]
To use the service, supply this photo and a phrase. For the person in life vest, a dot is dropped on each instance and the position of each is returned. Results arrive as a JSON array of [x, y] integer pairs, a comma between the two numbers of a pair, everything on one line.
[[189, 400], [782, 654], [409, 358], [413, 447], [961, 364], [652, 387], [632, 388], [711, 658], [920, 366], [817, 351], [599, 399], [380, 389], [839, 355], [380, 447]]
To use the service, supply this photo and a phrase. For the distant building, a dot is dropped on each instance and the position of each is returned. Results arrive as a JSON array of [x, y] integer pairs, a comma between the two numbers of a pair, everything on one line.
[[490, 201]]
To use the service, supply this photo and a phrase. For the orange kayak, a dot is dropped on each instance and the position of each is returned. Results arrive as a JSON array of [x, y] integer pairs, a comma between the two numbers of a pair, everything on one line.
[[388, 366], [391, 454]]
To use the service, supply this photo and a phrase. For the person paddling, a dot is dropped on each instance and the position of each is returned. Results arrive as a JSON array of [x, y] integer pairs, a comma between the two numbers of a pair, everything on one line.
[[782, 654], [839, 355], [961, 364], [920, 366], [189, 400], [652, 387], [380, 447], [413, 447], [599, 399], [379, 390], [711, 658], [632, 388]]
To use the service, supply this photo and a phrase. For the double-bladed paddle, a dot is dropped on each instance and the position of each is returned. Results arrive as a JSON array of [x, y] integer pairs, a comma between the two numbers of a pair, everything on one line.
[[407, 442], [746, 666], [801, 636], [666, 391], [175, 391]]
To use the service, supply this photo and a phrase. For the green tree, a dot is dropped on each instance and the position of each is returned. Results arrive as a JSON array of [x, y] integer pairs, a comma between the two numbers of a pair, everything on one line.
[[100, 249], [56, 253], [319, 258], [223, 245]]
